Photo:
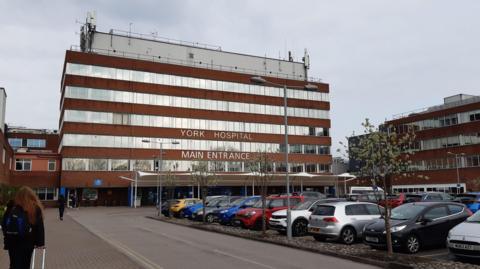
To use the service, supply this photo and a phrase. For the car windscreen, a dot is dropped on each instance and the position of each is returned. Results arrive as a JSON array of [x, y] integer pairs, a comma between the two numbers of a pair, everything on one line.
[[475, 217], [324, 210], [407, 211], [238, 201], [228, 202], [305, 205]]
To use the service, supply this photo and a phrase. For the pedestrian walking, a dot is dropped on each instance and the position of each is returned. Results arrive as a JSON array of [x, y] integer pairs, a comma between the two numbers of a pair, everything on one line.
[[24, 230], [61, 206], [73, 198]]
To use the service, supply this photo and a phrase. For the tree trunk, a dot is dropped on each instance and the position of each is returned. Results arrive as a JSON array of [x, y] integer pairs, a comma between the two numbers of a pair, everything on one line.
[[204, 201], [387, 221], [264, 217]]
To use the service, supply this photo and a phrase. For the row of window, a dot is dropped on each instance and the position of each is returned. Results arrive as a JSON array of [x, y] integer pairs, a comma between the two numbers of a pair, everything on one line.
[[78, 164], [446, 163], [192, 103], [46, 194], [26, 165], [451, 141], [443, 121], [190, 82], [27, 143], [187, 123], [81, 140]]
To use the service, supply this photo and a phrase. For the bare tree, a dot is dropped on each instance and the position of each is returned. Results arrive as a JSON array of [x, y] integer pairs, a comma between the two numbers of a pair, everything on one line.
[[262, 168], [383, 153], [203, 177]]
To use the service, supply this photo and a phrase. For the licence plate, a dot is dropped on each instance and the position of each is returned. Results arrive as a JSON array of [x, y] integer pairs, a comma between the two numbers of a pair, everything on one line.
[[463, 246], [237, 222], [314, 230], [371, 239]]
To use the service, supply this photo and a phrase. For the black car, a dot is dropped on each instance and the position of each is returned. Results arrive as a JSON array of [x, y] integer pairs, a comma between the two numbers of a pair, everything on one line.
[[417, 225]]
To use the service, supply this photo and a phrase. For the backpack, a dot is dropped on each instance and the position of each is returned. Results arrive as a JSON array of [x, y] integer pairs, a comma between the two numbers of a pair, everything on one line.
[[16, 224]]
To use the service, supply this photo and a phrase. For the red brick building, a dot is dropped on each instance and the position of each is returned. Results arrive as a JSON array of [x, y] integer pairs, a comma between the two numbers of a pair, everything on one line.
[[447, 136], [120, 89]]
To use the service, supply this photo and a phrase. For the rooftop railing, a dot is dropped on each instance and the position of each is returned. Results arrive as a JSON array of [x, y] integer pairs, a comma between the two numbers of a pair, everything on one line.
[[197, 64]]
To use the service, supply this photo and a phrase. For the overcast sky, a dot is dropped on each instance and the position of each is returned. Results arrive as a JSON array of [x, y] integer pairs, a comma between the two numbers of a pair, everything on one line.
[[380, 57]]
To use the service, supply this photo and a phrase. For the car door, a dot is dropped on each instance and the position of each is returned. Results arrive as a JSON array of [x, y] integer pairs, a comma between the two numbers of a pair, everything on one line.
[[432, 225]]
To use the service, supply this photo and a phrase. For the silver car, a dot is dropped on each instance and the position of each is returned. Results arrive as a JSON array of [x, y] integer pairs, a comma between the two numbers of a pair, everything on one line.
[[463, 240], [343, 221]]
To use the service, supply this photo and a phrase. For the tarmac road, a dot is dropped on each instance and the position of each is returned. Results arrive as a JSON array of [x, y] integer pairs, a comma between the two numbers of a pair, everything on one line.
[[155, 244]]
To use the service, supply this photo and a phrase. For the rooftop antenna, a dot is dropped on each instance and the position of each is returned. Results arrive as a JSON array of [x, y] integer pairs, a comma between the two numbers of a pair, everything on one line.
[[129, 32]]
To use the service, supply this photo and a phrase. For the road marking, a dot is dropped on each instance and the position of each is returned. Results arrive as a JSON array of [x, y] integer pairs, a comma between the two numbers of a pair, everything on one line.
[[215, 251], [140, 259], [242, 259]]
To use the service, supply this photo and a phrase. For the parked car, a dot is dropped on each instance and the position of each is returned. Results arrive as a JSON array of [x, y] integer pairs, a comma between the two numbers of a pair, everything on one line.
[[470, 199], [428, 197], [177, 207], [166, 206], [226, 215], [313, 195], [463, 240], [299, 216], [368, 197], [212, 206], [362, 190], [394, 200], [343, 221], [417, 225], [189, 210], [251, 218]]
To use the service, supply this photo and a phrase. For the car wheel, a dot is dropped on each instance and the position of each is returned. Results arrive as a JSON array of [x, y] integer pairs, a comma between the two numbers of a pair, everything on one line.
[[320, 238], [210, 218], [299, 227], [412, 244], [348, 235], [258, 225]]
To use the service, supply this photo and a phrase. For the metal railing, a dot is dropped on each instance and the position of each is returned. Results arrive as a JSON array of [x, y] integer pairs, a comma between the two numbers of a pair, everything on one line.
[[470, 100], [197, 64]]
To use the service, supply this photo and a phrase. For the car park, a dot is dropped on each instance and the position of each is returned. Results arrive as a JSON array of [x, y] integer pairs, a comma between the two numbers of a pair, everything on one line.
[[343, 221], [210, 216], [470, 199], [177, 207], [251, 218], [226, 215], [417, 225], [300, 215], [463, 240]]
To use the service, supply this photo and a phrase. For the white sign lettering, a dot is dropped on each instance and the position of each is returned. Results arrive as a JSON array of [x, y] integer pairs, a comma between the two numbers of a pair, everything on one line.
[[215, 155]]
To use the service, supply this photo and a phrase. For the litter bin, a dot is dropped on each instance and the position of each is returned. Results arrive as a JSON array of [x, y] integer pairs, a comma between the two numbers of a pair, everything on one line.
[[138, 201]]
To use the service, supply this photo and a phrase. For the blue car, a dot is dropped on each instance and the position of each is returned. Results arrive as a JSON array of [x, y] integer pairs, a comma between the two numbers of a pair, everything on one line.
[[189, 210], [470, 199], [226, 215]]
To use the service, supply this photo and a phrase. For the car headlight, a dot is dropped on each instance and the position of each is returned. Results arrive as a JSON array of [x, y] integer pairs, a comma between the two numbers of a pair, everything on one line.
[[223, 211], [395, 229]]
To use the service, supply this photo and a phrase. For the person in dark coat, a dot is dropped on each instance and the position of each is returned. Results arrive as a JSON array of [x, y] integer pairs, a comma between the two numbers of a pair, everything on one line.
[[8, 210], [61, 206], [20, 248]]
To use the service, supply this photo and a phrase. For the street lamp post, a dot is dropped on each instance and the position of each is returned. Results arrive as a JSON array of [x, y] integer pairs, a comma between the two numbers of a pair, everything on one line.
[[260, 80], [159, 169], [457, 158]]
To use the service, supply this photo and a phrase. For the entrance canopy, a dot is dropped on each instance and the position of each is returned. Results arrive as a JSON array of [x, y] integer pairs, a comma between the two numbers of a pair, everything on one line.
[[149, 179]]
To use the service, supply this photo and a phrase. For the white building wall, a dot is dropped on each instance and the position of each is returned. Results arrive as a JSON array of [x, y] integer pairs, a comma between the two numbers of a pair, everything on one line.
[[132, 47]]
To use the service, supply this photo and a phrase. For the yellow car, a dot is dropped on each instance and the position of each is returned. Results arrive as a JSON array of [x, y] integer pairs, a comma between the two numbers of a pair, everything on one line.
[[180, 204]]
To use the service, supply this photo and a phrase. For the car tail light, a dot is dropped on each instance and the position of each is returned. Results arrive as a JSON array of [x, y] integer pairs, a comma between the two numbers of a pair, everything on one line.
[[330, 219]]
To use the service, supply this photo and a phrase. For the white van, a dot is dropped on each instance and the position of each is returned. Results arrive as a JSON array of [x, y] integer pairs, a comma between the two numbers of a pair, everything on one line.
[[364, 190]]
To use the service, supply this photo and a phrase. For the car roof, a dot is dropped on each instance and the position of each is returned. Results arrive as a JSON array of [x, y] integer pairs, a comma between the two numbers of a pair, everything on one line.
[[345, 203]]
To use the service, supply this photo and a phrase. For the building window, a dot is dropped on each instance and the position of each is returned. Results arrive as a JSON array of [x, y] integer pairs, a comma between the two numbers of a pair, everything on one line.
[[323, 150], [143, 165], [51, 165], [295, 148], [311, 167], [98, 165], [23, 165], [120, 165], [36, 143], [475, 116], [89, 194], [15, 142], [296, 167], [45, 194], [310, 149]]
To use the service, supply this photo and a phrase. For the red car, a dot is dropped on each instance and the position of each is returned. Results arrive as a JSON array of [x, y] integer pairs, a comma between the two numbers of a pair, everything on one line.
[[395, 200], [251, 218]]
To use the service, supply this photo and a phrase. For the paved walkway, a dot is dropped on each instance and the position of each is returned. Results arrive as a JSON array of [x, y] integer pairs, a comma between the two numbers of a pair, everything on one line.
[[70, 245]]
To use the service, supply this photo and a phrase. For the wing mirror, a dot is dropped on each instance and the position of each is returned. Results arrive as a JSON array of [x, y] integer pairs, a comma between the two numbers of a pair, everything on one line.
[[425, 221]]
